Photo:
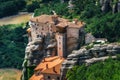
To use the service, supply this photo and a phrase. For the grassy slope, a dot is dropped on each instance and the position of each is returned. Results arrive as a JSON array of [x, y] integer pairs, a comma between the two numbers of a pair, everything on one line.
[[16, 19], [10, 74]]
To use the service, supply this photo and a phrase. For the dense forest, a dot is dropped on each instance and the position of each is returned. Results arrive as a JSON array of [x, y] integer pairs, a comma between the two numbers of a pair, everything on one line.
[[11, 7], [101, 24], [107, 70], [12, 45]]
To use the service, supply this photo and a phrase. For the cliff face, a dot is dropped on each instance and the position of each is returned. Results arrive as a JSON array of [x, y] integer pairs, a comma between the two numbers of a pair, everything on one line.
[[107, 5], [88, 56], [35, 51]]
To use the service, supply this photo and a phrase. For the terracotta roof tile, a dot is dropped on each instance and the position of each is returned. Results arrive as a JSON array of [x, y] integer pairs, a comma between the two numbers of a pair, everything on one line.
[[35, 77], [56, 66], [51, 71], [45, 61], [47, 65], [76, 25], [62, 24], [51, 58], [43, 19]]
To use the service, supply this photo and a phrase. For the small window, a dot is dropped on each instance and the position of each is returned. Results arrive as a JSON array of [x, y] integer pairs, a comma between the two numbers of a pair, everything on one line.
[[36, 28], [42, 28], [59, 42], [58, 78], [59, 47], [41, 33], [37, 24], [48, 77], [59, 37], [37, 36]]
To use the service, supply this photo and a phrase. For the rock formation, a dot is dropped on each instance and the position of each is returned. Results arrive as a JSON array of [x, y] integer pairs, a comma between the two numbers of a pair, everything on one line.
[[36, 50], [107, 5], [88, 56]]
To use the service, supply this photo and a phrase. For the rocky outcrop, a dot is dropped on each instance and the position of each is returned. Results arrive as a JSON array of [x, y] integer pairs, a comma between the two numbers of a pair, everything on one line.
[[88, 56], [36, 50], [107, 5]]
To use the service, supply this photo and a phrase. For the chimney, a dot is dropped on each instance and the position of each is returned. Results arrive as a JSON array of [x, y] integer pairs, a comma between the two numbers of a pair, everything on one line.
[[44, 59], [82, 22], [55, 18], [37, 20], [46, 66]]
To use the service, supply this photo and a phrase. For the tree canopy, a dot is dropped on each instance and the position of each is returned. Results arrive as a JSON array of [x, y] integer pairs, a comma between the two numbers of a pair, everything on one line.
[[108, 70], [12, 45]]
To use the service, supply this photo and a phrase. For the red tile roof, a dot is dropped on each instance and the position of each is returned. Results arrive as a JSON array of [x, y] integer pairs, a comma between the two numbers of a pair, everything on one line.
[[42, 18], [50, 65], [35, 77], [47, 65]]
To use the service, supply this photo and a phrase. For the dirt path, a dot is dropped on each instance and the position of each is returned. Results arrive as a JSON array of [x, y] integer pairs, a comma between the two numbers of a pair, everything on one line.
[[16, 19]]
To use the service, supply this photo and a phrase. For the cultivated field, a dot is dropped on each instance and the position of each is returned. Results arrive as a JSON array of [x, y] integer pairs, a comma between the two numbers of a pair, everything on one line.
[[16, 19], [10, 74]]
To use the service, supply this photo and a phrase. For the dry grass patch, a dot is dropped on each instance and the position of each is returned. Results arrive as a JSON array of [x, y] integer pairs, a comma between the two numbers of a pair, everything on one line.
[[10, 74]]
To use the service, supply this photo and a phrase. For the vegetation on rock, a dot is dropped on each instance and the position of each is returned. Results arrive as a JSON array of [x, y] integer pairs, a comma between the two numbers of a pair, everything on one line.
[[107, 70]]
